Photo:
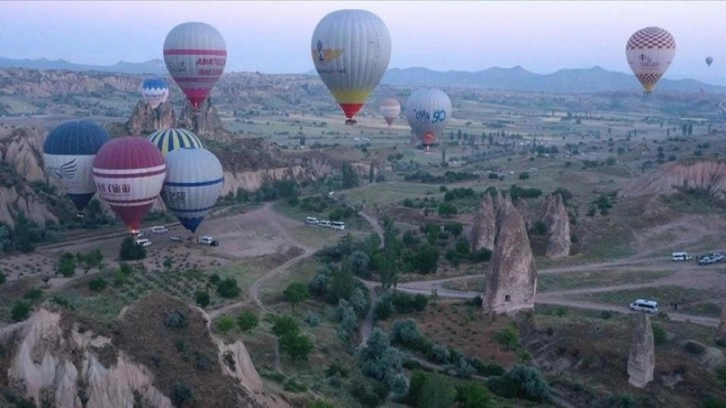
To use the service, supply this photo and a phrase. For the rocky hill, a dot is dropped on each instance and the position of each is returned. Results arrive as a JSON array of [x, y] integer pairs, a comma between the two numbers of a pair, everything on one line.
[[58, 359], [707, 176]]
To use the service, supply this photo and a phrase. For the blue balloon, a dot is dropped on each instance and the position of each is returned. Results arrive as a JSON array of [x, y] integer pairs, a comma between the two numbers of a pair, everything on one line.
[[68, 153], [155, 91]]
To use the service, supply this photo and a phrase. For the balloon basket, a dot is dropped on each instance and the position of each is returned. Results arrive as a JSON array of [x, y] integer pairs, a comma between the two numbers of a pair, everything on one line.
[[351, 122]]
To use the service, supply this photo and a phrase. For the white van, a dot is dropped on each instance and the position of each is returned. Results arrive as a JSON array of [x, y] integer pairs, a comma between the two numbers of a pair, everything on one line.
[[311, 221], [337, 225], [144, 242], [159, 229], [324, 223], [681, 256], [648, 306], [207, 240]]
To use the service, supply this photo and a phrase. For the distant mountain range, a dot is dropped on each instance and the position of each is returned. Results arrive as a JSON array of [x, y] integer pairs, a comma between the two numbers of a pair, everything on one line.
[[580, 80]]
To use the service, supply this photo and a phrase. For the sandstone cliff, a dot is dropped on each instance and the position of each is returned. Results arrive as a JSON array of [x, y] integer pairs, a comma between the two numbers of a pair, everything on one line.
[[706, 175], [558, 227], [208, 119], [512, 280], [64, 361], [144, 119], [641, 360], [484, 228]]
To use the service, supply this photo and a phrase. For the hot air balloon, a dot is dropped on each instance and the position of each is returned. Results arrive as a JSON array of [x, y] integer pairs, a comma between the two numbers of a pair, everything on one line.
[[154, 92], [650, 52], [195, 55], [428, 111], [174, 138], [193, 182], [351, 50], [68, 154], [709, 61], [390, 108], [129, 172]]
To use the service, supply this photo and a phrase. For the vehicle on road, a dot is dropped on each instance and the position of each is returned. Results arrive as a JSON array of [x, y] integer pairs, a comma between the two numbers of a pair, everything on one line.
[[311, 221], [324, 223], [175, 238], [681, 256], [717, 257], [642, 305], [144, 242], [337, 225], [208, 240], [159, 229], [706, 260]]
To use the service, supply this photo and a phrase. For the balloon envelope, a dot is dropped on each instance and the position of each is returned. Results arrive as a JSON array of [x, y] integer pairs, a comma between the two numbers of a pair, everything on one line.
[[428, 112], [709, 61], [154, 91], [650, 52], [170, 139], [351, 50], [390, 109], [68, 153], [129, 172], [193, 182], [195, 55]]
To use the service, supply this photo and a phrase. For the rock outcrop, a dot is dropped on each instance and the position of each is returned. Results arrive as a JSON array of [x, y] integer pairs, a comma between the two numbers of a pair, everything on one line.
[[721, 333], [512, 280], [558, 227], [641, 361], [22, 150], [706, 175], [484, 228], [145, 119], [208, 119], [63, 361]]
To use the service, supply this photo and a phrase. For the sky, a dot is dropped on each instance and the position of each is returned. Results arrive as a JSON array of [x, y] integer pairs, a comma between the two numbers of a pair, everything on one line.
[[275, 37]]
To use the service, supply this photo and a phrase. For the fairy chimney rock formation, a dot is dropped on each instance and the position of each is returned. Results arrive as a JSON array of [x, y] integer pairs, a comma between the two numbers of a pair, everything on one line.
[[512, 275], [484, 228], [145, 119], [641, 360], [558, 227], [721, 334]]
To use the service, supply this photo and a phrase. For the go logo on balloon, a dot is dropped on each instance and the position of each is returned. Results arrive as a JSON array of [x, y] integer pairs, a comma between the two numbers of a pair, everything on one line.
[[439, 116]]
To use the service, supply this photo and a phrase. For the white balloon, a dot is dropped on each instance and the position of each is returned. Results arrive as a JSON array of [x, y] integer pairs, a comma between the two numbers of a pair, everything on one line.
[[428, 112], [650, 52]]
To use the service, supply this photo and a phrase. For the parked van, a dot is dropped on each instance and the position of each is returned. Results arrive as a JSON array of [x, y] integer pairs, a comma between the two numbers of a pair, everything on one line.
[[207, 240], [337, 225], [681, 256], [648, 306], [324, 223], [159, 229], [311, 221], [144, 242]]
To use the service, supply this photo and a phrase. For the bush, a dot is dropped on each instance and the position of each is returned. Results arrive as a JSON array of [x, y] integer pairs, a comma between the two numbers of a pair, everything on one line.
[[521, 382], [33, 294], [175, 320], [284, 325], [487, 370], [405, 303], [383, 309], [3, 278], [202, 298], [97, 284], [228, 288], [406, 333], [21, 311], [508, 336], [247, 321], [296, 345], [224, 324], [473, 395], [721, 374], [695, 348], [181, 394], [131, 251], [523, 175], [660, 336]]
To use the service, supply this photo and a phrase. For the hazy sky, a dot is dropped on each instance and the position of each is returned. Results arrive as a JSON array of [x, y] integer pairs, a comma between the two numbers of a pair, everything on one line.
[[274, 37]]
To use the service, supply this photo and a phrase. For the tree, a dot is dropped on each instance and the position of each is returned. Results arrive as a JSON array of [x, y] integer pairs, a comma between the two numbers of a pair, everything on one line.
[[371, 174], [473, 395], [349, 176], [23, 236], [447, 209], [247, 321], [168, 262], [297, 346], [202, 298], [224, 324], [437, 392], [455, 228], [359, 262], [295, 293], [3, 278], [285, 325], [97, 284], [227, 288], [342, 281], [67, 265], [131, 251], [391, 250]]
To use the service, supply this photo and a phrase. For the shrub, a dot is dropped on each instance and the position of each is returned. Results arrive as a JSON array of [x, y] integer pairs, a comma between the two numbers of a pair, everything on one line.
[[473, 395], [3, 278], [33, 294], [224, 324], [523, 175], [202, 298], [312, 319], [521, 382], [247, 321], [175, 319], [97, 284], [721, 374], [296, 345], [295, 293], [695, 348], [508, 336], [131, 251], [181, 394], [383, 309], [228, 288], [660, 336], [406, 333], [20, 311], [284, 325]]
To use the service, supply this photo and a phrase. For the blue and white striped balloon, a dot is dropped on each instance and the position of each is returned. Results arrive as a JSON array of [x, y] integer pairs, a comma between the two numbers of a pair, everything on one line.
[[174, 138], [154, 91], [194, 180]]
